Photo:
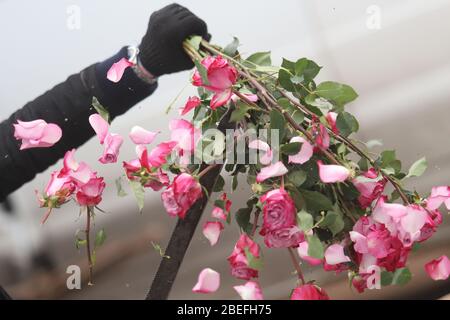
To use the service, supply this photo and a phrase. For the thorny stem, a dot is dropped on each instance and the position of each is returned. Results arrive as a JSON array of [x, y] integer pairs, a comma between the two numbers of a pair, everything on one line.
[[296, 265], [267, 99], [206, 170], [88, 243]]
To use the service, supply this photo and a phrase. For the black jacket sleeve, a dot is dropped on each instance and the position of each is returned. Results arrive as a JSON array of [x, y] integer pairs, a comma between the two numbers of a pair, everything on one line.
[[68, 105]]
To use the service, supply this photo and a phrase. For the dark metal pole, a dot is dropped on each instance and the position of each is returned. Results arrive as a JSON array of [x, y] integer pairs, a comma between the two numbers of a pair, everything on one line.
[[183, 233]]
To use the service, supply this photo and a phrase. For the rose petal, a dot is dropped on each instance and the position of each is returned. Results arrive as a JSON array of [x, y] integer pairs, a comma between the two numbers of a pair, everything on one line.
[[438, 269], [305, 153], [208, 281], [220, 98], [211, 231], [112, 145], [117, 70], [334, 254], [331, 173], [100, 126], [302, 251], [266, 158], [192, 103], [274, 170], [250, 291], [141, 136]]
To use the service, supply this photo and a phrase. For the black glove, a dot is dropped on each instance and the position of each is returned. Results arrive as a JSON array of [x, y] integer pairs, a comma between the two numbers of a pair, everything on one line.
[[161, 49]]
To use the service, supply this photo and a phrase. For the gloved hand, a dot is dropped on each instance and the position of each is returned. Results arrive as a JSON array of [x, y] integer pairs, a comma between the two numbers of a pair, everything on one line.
[[161, 49]]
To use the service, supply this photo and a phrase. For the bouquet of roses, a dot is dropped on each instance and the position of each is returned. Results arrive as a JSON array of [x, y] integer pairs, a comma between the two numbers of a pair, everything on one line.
[[316, 191]]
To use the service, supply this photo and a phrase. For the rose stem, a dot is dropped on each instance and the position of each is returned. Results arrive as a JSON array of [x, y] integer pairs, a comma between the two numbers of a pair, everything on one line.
[[296, 265], [88, 243]]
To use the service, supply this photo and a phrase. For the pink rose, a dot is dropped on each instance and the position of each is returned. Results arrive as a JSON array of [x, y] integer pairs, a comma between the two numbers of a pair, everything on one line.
[[158, 155], [309, 292], [185, 134], [90, 194], [279, 210], [284, 237], [433, 220], [112, 145], [238, 259], [178, 198], [369, 187], [221, 78], [331, 119], [37, 134]]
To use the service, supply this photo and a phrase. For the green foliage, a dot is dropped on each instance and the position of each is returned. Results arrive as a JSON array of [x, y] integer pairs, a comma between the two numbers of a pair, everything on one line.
[[139, 193], [315, 247], [100, 238], [338, 93], [101, 110], [346, 123], [260, 59], [231, 49], [305, 221], [277, 122], [417, 168], [316, 201], [202, 71]]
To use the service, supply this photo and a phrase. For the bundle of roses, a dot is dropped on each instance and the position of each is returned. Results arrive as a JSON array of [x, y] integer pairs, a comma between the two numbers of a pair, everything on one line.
[[316, 192]]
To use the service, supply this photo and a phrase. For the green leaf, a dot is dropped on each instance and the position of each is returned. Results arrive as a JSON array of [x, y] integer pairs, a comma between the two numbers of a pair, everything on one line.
[[284, 78], [101, 110], [139, 193], [260, 59], [160, 250], [289, 65], [202, 71], [305, 220], [240, 112], [231, 48], [291, 148], [297, 177], [243, 218], [334, 222], [316, 201], [336, 92], [308, 69], [401, 276], [389, 163], [324, 105], [386, 278], [100, 238], [79, 243], [195, 41], [294, 112], [220, 183], [346, 123], [234, 183], [315, 247], [277, 123], [253, 262], [119, 187], [418, 168]]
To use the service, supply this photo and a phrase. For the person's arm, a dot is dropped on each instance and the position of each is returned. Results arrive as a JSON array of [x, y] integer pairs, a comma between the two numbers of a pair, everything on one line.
[[69, 104]]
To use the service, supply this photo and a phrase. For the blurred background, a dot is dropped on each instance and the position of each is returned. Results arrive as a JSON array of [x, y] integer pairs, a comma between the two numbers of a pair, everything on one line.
[[393, 53]]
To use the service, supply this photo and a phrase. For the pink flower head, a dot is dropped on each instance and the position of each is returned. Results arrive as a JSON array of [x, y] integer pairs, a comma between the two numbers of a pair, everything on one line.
[[369, 186], [220, 213], [187, 136], [158, 155], [433, 220], [100, 126], [267, 155], [90, 194], [305, 153], [320, 133], [309, 292], [221, 78], [117, 70], [208, 281], [141, 136], [331, 173], [438, 269], [36, 134], [79, 173], [286, 237], [178, 198], [192, 103], [249, 291], [112, 145], [331, 119], [274, 170], [303, 254], [278, 210], [238, 259], [212, 230], [438, 196]]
